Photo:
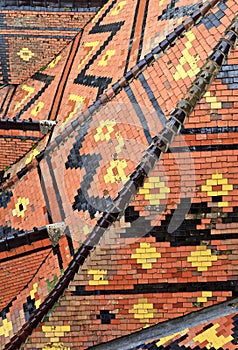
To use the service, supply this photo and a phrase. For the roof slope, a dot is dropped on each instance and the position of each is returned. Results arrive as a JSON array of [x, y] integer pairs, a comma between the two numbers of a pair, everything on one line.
[[87, 164], [31, 39]]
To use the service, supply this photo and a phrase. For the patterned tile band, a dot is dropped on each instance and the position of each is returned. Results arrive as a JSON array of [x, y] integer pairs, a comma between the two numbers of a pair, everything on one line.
[[122, 83], [160, 145]]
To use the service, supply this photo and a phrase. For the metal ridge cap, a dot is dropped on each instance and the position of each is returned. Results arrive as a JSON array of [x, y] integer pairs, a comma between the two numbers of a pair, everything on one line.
[[137, 178], [170, 327]]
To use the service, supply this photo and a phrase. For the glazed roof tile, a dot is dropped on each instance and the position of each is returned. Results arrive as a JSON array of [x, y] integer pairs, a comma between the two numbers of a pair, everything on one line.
[[132, 115], [31, 39]]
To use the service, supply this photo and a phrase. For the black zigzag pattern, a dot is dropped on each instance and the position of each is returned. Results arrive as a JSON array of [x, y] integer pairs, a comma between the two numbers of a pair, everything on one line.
[[93, 80], [47, 79]]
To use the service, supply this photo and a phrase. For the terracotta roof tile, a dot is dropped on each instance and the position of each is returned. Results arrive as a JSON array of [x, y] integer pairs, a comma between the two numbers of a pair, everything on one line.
[[184, 265]]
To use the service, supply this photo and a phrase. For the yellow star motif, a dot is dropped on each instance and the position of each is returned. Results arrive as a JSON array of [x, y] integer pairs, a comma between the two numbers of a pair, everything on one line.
[[143, 311], [201, 258], [146, 255], [115, 172], [217, 186], [104, 130], [25, 54], [150, 185], [20, 207]]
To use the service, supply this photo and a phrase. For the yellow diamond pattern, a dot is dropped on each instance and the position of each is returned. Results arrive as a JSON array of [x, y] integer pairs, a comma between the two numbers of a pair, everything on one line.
[[187, 58], [36, 110], [146, 255], [98, 277], [201, 258], [25, 54], [217, 180], [161, 190], [106, 57], [104, 130], [20, 207], [214, 341], [115, 171], [143, 311]]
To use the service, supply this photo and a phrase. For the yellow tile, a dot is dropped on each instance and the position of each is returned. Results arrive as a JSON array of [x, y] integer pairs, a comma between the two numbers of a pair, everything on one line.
[[152, 250], [211, 182], [55, 339], [164, 190], [106, 57], [201, 247], [202, 268], [215, 105], [149, 315], [201, 299], [206, 263], [206, 252], [141, 261], [37, 303], [97, 272], [217, 176], [155, 202], [159, 184], [118, 8], [222, 181], [206, 188], [142, 311], [222, 193], [136, 256], [147, 255], [147, 185], [223, 204], [212, 193], [140, 250], [154, 179], [196, 253], [207, 294], [147, 266], [46, 329], [227, 187], [144, 191], [192, 258]]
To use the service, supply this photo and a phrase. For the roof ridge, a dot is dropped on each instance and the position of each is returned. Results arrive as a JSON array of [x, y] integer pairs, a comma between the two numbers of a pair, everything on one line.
[[170, 327], [153, 153], [115, 88]]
